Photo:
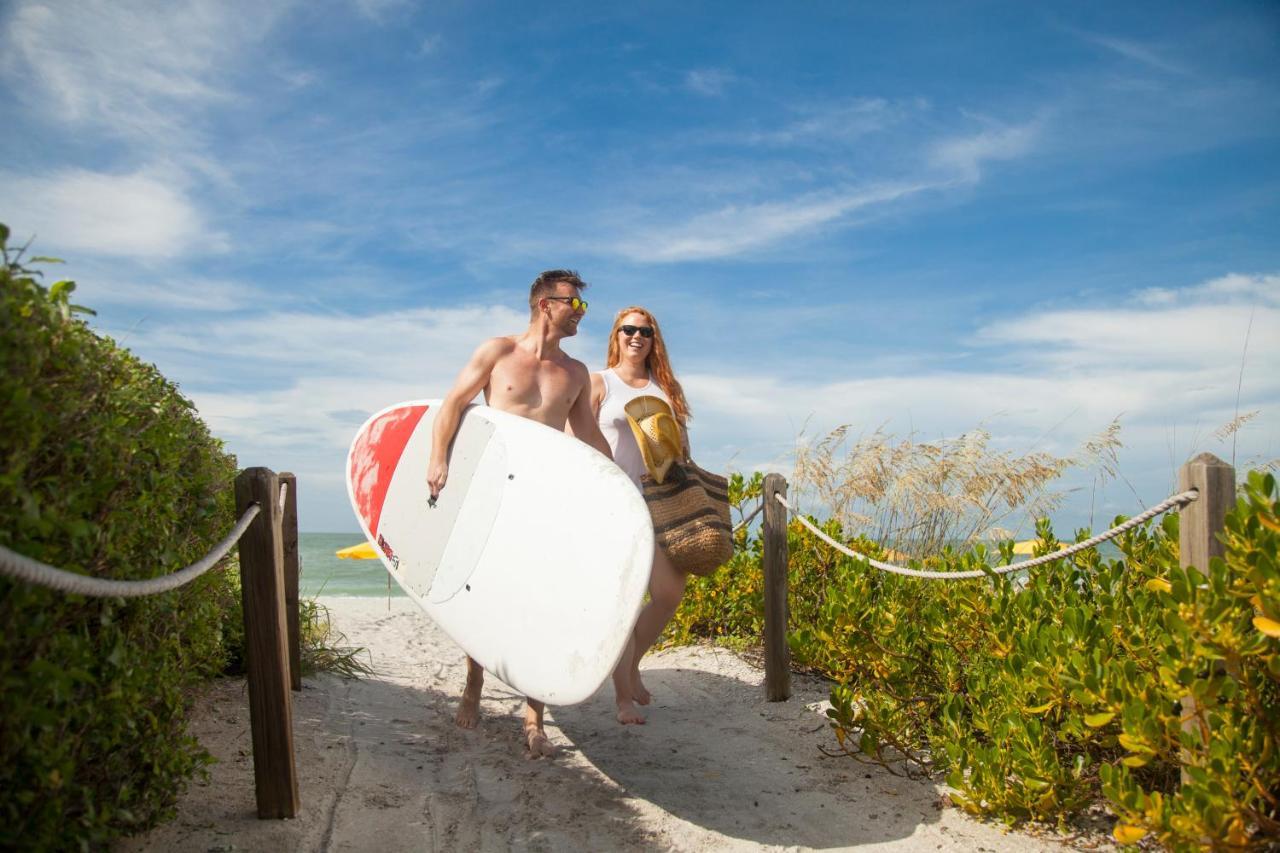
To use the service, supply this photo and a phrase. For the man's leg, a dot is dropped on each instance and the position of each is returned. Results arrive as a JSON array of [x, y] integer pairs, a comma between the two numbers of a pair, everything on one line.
[[666, 588], [623, 688], [469, 707], [535, 738]]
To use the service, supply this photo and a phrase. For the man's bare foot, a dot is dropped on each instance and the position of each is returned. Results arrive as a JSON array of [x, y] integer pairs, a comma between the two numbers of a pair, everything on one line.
[[469, 709], [536, 742], [628, 715], [638, 691]]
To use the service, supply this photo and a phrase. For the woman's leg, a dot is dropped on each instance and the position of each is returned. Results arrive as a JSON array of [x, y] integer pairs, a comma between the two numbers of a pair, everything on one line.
[[622, 686], [666, 588]]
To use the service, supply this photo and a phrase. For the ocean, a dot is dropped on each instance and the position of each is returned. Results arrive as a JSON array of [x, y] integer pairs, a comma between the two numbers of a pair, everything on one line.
[[324, 574]]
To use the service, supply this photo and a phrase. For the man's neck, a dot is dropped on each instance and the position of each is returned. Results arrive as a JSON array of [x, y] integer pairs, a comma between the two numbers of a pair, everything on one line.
[[542, 339]]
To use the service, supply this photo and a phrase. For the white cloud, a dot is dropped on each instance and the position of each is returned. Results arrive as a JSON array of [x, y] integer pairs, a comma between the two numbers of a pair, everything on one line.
[[1234, 288], [430, 44], [1051, 379], [379, 10], [1187, 327], [176, 291], [829, 124], [1135, 51], [144, 215], [710, 82], [967, 154], [132, 68], [735, 229]]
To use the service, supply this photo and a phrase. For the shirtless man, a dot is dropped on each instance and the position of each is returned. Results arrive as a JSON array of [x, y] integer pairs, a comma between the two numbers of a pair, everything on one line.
[[528, 375]]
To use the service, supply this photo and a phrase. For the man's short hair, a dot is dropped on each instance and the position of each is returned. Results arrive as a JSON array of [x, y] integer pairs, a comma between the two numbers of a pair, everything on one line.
[[545, 284]]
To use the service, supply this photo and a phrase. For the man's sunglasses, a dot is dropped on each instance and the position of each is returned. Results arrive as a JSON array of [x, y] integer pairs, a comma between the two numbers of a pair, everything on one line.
[[575, 303], [645, 331]]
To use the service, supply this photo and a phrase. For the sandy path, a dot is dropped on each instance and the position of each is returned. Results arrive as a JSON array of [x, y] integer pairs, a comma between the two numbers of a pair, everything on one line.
[[382, 767]]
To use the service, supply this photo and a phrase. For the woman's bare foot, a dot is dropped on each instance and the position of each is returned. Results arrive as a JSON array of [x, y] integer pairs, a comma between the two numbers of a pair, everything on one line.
[[628, 715], [537, 744], [638, 691], [535, 738]]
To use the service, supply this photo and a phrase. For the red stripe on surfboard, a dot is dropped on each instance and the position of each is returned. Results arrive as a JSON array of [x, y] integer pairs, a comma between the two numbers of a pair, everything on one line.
[[374, 458]]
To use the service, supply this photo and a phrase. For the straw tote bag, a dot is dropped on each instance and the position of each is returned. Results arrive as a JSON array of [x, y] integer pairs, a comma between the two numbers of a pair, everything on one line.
[[690, 511], [689, 505]]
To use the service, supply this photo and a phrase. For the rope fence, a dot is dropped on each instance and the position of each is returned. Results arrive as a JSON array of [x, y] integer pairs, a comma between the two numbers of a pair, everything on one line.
[[269, 583], [1175, 501], [22, 568], [1207, 488]]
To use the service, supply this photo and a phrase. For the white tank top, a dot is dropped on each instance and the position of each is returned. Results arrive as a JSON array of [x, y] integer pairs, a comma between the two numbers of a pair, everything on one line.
[[613, 421]]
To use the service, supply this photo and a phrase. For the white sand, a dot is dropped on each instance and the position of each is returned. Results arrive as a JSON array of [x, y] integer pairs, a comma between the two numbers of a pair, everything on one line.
[[383, 768]]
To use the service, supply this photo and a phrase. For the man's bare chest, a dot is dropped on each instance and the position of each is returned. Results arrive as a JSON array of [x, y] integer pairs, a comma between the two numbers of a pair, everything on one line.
[[534, 388]]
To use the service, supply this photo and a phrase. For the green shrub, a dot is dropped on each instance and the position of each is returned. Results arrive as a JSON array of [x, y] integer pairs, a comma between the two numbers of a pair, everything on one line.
[[1041, 695], [105, 470]]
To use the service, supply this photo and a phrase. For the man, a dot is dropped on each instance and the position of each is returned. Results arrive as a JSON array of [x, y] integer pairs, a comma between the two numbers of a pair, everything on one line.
[[528, 375]]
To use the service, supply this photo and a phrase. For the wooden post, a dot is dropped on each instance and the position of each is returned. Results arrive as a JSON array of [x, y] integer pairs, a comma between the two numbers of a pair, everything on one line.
[[289, 544], [777, 656], [266, 648], [1199, 528]]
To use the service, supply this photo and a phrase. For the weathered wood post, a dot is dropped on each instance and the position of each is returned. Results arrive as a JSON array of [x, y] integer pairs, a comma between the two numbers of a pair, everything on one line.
[[289, 544], [266, 646], [1199, 527], [777, 656]]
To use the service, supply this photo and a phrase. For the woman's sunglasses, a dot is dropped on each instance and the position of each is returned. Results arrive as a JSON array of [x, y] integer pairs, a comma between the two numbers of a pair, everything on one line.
[[575, 304], [645, 331]]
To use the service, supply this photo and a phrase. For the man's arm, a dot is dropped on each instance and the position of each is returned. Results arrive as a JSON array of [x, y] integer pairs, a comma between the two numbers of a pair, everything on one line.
[[582, 418], [474, 376]]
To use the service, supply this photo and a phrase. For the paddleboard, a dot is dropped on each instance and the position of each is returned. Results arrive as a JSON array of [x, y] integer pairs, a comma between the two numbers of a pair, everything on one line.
[[534, 558]]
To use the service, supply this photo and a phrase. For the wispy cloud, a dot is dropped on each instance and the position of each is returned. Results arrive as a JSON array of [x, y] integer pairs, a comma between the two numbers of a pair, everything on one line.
[[966, 154], [136, 68], [735, 229], [708, 81], [1136, 51], [1233, 288], [829, 124], [141, 215]]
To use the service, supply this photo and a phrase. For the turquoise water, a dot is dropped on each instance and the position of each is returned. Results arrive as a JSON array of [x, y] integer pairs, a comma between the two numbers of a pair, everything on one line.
[[324, 574]]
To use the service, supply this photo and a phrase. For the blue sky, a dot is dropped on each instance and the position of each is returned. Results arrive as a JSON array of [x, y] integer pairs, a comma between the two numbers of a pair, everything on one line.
[[923, 217]]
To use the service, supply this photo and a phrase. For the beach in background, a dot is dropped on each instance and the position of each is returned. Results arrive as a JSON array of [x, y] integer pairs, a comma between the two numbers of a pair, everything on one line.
[[322, 573]]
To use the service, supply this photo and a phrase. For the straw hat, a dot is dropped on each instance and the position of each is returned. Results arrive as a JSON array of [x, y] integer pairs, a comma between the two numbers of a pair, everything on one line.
[[657, 434]]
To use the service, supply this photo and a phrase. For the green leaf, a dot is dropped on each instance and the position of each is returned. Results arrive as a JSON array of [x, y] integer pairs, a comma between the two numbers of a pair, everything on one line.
[[59, 291], [1097, 721]]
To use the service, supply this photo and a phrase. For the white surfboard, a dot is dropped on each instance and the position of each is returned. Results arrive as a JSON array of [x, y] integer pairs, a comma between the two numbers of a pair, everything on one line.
[[534, 558]]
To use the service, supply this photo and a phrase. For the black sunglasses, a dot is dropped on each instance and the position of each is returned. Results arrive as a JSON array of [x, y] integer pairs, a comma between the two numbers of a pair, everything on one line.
[[645, 331]]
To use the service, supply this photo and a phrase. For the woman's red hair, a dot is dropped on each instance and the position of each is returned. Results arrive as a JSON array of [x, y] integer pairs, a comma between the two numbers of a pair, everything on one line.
[[657, 362]]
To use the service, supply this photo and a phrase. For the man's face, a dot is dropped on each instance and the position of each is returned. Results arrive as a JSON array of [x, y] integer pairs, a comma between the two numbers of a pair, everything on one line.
[[564, 317]]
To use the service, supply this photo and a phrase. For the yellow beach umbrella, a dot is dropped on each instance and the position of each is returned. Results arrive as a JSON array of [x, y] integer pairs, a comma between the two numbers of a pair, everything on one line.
[[1026, 546], [363, 551]]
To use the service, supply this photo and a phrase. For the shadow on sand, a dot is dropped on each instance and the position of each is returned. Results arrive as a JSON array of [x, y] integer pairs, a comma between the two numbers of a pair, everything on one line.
[[715, 754]]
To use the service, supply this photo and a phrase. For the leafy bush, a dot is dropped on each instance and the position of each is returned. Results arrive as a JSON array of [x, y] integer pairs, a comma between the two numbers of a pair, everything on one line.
[[1041, 695], [106, 470]]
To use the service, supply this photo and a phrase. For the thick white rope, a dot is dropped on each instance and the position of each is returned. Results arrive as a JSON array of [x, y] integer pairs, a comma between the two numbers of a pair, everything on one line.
[[1178, 500], [32, 571]]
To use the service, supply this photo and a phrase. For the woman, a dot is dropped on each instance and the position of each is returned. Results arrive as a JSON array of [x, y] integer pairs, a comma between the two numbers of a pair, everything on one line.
[[636, 365]]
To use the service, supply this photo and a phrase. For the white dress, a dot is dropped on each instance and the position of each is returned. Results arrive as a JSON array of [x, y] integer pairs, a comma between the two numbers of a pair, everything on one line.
[[613, 421]]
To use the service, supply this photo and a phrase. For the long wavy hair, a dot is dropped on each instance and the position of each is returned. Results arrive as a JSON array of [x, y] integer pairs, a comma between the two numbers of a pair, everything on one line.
[[657, 362]]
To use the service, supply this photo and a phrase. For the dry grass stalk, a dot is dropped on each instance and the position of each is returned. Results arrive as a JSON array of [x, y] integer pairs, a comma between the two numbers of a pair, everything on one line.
[[917, 497]]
